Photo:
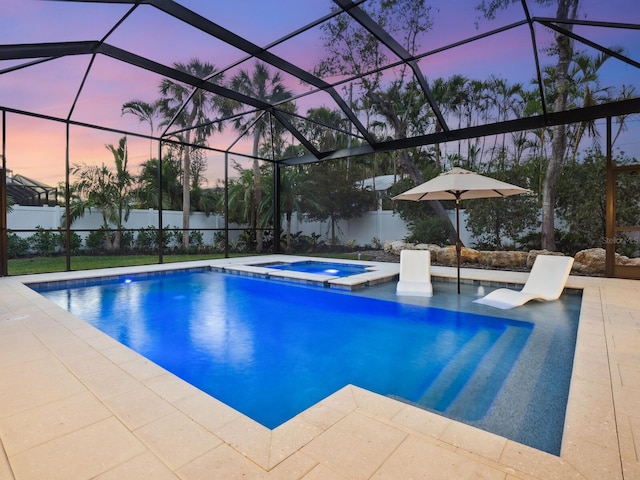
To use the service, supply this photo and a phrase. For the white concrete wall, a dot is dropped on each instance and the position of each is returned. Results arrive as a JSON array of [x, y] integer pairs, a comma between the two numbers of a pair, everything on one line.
[[382, 224]]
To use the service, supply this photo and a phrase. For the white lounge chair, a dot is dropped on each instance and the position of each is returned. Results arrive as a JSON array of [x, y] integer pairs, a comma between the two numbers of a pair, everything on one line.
[[546, 281], [415, 273]]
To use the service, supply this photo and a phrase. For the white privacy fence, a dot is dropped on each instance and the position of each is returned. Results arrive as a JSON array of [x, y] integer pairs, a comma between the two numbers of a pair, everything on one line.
[[381, 225]]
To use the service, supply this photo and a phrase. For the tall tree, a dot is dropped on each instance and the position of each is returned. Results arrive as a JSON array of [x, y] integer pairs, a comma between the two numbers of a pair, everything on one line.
[[147, 192], [190, 109], [263, 85], [108, 190], [146, 112], [563, 49], [352, 51]]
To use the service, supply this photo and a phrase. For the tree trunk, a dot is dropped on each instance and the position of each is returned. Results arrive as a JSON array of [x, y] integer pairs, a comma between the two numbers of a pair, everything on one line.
[[186, 196], [567, 9], [257, 192]]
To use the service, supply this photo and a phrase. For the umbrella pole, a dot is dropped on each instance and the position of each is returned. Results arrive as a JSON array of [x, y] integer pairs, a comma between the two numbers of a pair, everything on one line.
[[458, 245]]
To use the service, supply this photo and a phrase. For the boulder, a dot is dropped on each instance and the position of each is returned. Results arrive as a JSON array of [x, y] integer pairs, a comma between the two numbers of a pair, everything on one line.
[[592, 261], [531, 256], [633, 262], [396, 246], [433, 249], [503, 259], [447, 255]]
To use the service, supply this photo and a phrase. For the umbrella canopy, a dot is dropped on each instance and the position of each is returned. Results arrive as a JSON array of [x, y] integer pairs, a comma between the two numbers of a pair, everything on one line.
[[462, 184], [458, 184]]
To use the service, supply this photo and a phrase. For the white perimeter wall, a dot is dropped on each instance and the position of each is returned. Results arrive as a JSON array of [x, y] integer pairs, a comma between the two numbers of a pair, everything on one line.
[[381, 224]]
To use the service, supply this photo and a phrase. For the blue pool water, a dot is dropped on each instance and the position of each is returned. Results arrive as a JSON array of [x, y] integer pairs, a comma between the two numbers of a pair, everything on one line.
[[323, 268], [272, 349]]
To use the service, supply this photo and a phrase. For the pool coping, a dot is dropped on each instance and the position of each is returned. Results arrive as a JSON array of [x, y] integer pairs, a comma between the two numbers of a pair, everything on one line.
[[598, 440]]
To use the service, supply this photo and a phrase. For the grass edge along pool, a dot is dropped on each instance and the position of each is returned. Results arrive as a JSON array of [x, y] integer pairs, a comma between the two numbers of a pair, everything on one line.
[[378, 332]]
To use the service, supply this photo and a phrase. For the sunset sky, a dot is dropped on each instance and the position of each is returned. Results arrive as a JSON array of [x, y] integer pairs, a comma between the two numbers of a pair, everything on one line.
[[36, 148]]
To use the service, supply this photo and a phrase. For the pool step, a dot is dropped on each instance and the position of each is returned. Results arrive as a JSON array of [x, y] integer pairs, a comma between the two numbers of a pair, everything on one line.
[[455, 374], [477, 395], [467, 386]]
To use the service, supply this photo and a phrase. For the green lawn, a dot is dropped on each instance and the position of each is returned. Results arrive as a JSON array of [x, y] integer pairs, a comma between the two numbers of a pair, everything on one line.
[[27, 266]]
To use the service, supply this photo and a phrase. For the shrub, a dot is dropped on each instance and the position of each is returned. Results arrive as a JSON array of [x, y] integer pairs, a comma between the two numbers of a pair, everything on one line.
[[17, 246], [44, 242], [429, 230], [95, 241], [75, 241]]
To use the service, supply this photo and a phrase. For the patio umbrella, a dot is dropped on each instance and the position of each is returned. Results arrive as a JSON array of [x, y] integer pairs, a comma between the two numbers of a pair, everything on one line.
[[459, 184]]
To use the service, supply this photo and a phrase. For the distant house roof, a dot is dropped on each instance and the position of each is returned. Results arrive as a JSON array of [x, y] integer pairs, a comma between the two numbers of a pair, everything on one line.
[[28, 192], [380, 183]]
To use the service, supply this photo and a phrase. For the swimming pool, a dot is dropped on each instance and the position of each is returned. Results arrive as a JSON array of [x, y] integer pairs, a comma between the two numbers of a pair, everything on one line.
[[271, 349], [317, 267]]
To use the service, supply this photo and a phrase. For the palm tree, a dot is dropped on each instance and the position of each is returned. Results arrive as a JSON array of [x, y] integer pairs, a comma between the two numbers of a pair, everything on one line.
[[588, 89], [108, 190], [146, 112], [262, 85], [147, 193], [189, 109]]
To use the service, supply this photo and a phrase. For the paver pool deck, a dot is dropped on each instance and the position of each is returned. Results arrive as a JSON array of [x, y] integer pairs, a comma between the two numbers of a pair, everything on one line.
[[76, 404]]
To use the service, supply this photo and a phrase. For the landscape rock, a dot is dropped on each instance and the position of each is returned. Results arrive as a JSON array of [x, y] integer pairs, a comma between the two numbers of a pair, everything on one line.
[[396, 246], [531, 256], [504, 259], [447, 255], [590, 261]]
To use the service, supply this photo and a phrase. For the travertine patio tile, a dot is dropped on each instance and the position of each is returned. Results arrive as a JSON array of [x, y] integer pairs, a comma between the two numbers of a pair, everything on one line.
[[249, 438], [323, 415], [42, 424], [28, 385], [322, 472], [417, 459], [109, 381], [629, 440], [294, 467], [139, 407], [591, 368], [81, 454], [422, 421], [176, 439], [474, 440], [209, 412], [376, 405], [342, 400], [136, 365], [629, 375], [101, 342], [119, 354], [356, 446], [627, 400], [5, 468], [222, 462], [18, 345], [539, 464], [594, 461], [86, 331], [143, 467], [88, 363], [290, 437], [170, 387], [591, 394], [597, 425]]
